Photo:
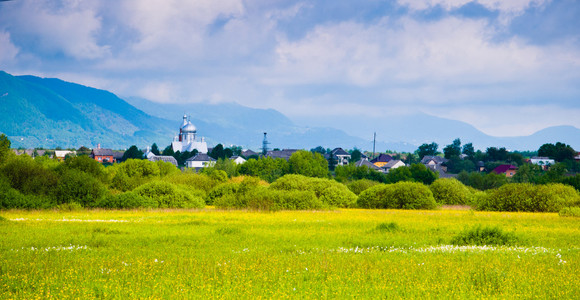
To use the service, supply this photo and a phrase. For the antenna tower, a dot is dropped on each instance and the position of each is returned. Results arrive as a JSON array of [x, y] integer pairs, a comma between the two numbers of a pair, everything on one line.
[[265, 144]]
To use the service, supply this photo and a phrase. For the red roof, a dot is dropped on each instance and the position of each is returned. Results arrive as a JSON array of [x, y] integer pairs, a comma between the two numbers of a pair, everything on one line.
[[501, 169]]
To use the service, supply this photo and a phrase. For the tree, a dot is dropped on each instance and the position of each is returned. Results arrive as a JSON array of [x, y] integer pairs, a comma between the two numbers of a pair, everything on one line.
[[155, 149], [453, 149], [4, 147], [427, 149], [422, 174], [83, 151], [495, 154], [355, 155], [318, 149], [308, 164], [559, 152], [218, 152], [133, 152], [168, 151], [469, 150]]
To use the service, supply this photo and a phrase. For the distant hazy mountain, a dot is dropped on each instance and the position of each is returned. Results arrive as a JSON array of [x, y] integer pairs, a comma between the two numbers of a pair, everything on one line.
[[38, 112]]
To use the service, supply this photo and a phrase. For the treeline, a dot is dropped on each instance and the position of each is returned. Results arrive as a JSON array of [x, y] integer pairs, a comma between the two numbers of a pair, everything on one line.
[[302, 182]]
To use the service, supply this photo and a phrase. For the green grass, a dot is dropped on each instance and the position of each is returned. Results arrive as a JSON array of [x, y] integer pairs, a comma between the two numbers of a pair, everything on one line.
[[302, 254]]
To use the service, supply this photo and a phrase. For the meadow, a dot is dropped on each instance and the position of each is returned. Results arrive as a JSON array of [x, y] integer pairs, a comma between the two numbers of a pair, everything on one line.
[[344, 253]]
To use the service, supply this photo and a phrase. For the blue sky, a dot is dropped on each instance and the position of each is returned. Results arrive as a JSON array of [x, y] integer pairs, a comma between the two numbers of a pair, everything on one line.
[[507, 67]]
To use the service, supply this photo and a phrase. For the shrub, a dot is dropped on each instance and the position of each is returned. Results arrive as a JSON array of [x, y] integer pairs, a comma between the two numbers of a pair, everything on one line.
[[400, 195], [167, 195], [527, 197], [330, 192], [193, 181], [70, 206], [387, 227], [570, 212], [480, 236], [127, 200], [29, 177], [222, 190], [450, 191], [87, 165], [133, 173], [360, 185], [80, 187]]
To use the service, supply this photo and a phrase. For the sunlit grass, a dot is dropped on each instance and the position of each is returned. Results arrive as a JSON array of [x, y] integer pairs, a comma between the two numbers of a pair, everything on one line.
[[298, 254]]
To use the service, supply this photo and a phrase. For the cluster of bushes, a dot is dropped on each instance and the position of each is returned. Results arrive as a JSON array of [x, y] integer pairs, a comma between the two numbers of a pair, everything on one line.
[[288, 192], [527, 197], [400, 195]]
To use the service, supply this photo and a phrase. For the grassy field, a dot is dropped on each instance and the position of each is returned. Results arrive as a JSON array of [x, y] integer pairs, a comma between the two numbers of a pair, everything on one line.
[[307, 254]]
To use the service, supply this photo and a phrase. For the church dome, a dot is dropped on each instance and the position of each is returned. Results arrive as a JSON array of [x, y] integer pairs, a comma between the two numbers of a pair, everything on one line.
[[188, 128]]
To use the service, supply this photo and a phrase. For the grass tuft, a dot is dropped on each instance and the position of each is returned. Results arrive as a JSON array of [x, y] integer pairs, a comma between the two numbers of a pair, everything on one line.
[[388, 227], [480, 236]]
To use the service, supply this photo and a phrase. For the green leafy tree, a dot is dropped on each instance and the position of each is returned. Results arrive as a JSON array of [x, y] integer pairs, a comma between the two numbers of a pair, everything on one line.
[[559, 152], [355, 155], [266, 168], [4, 148], [527, 173], [453, 149], [399, 174], [132, 153], [218, 152], [468, 150], [318, 149], [308, 164], [421, 173], [427, 149], [495, 154], [168, 151], [155, 149], [83, 151]]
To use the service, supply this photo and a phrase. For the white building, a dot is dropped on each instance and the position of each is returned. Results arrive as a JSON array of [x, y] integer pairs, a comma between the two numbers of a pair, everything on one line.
[[187, 140], [201, 160]]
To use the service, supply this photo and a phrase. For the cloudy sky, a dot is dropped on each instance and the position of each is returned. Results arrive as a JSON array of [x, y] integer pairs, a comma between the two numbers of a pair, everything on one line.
[[507, 67]]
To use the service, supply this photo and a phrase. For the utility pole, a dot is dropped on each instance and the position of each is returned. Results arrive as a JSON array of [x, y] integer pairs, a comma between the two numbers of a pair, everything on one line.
[[374, 142]]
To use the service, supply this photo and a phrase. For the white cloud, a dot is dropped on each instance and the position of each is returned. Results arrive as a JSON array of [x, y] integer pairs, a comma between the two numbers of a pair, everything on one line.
[[508, 7], [7, 50], [69, 29]]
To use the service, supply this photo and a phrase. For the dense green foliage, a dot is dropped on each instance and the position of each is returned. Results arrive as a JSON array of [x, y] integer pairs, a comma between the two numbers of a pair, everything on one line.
[[311, 164], [531, 198], [450, 191], [401, 195], [481, 236], [330, 192]]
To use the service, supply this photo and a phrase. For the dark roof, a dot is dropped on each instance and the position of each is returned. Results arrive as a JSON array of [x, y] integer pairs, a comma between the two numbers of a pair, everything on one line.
[[102, 152], [201, 157], [285, 154], [248, 153], [118, 154], [364, 162], [339, 151], [504, 168], [382, 158], [436, 159], [439, 170], [169, 159]]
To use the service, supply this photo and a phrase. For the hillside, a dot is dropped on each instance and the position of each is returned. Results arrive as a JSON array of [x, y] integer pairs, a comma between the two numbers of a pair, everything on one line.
[[40, 112], [52, 113]]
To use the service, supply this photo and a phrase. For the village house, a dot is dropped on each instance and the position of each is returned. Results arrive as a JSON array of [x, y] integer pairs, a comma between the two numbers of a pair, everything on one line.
[[381, 160], [102, 155], [60, 155], [237, 159], [507, 170], [169, 159], [544, 162], [393, 164], [201, 160], [341, 157]]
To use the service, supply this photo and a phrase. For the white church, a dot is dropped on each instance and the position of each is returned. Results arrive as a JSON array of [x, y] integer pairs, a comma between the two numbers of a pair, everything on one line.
[[186, 140]]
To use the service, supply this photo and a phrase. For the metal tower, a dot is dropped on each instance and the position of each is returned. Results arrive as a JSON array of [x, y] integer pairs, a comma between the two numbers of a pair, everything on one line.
[[265, 144]]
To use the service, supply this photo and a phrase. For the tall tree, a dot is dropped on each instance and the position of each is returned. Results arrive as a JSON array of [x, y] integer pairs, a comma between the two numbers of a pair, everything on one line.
[[355, 155], [454, 149], [218, 152], [469, 150], [308, 164], [4, 147], [427, 149], [155, 149], [132, 152]]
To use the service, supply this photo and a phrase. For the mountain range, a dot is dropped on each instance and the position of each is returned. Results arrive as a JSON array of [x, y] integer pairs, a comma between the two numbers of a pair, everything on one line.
[[49, 112]]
